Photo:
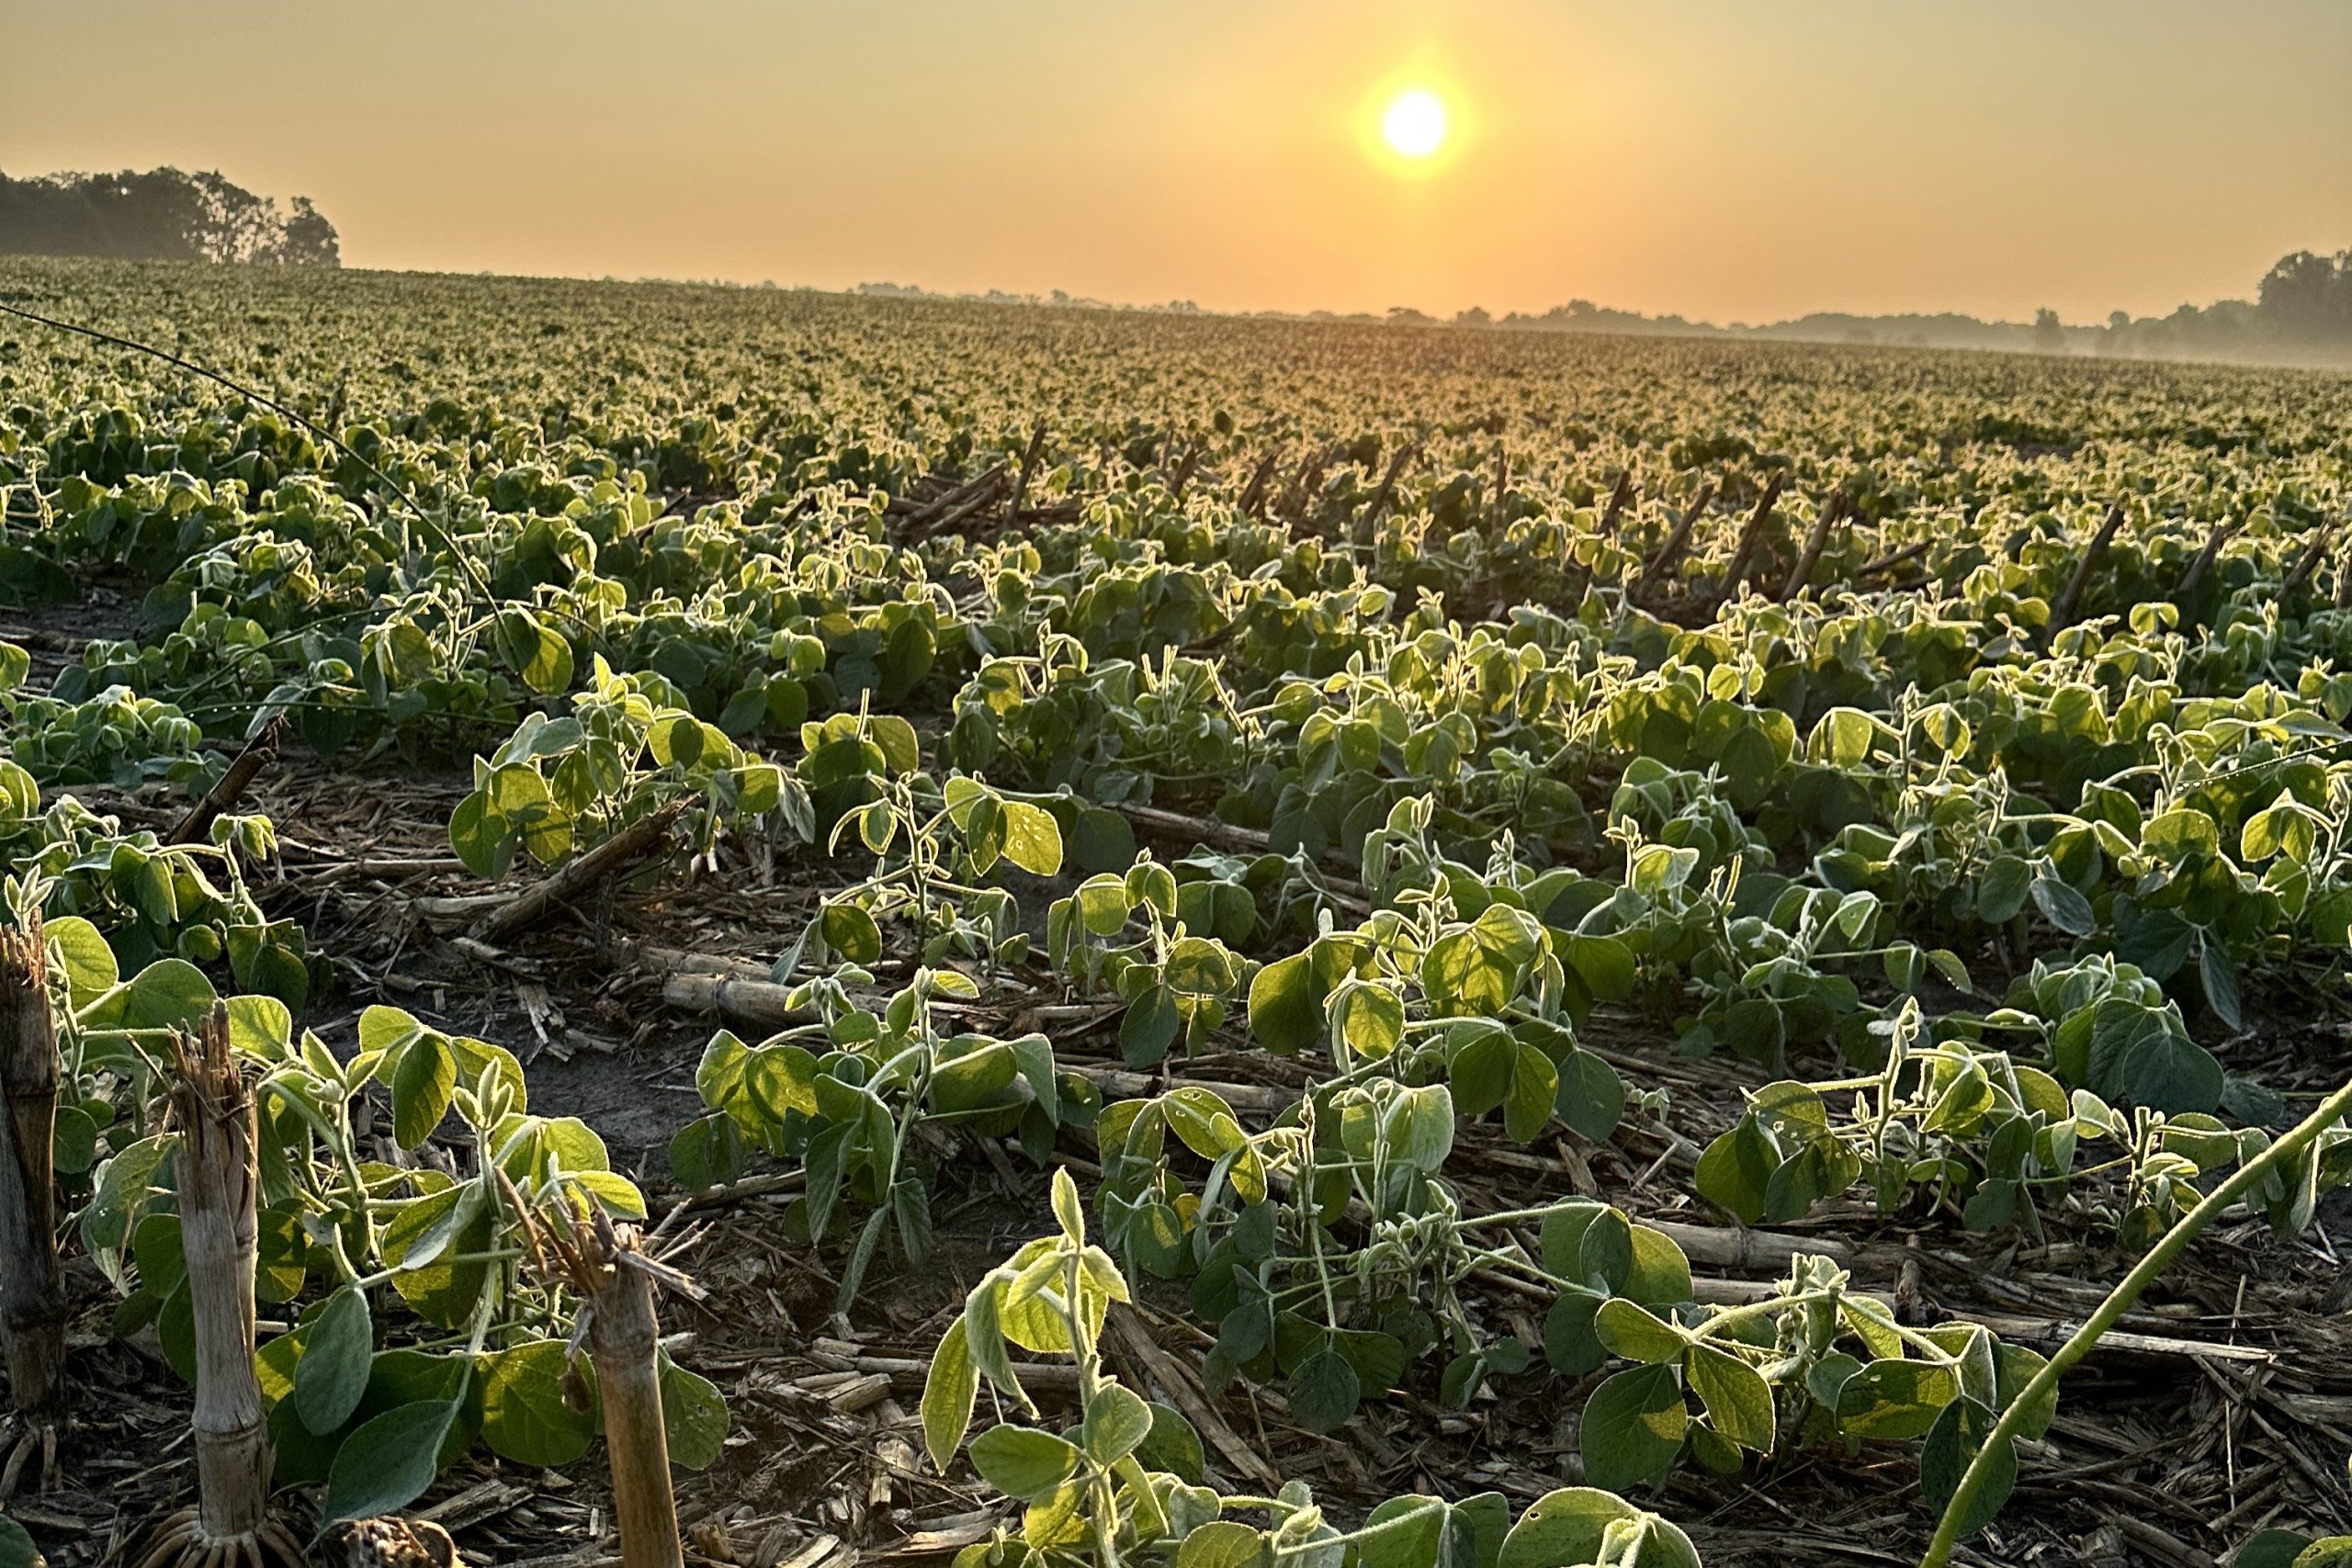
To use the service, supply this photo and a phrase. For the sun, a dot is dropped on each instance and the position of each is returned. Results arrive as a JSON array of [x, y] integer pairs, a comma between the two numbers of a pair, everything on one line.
[[1414, 124]]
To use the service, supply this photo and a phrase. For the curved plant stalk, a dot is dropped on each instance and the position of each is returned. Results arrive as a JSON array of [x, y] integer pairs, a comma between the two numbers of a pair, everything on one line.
[[32, 1290], [213, 1108], [2119, 1301]]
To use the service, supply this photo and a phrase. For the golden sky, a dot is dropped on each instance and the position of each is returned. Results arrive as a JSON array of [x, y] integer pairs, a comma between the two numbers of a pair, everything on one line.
[[1725, 159]]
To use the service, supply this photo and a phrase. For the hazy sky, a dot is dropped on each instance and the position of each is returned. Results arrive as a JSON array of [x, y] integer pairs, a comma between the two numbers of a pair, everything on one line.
[[1726, 159]]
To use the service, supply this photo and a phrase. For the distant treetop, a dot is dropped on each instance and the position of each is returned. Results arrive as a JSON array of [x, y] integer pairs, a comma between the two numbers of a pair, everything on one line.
[[165, 215], [2303, 312]]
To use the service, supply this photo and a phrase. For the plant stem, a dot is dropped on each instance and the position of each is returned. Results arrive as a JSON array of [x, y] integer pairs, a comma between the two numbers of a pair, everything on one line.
[[1731, 1316], [1411, 1516], [2118, 1303], [219, 1233], [624, 1341], [1521, 1216], [32, 1291]]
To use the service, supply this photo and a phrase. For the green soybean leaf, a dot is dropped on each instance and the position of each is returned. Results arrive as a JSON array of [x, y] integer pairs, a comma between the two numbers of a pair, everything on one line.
[[2001, 891], [1033, 840], [2281, 1549], [1409, 1533], [482, 836], [693, 1415], [175, 1331], [707, 1153], [1534, 1087], [2219, 978], [1738, 1401], [1287, 1006], [1323, 1391], [1117, 1421], [1571, 1526], [1102, 841], [332, 1373], [123, 1183], [1370, 1018], [1604, 964], [1735, 1171], [1223, 1543], [2171, 1073], [1480, 1073], [850, 930], [74, 1142], [1172, 1446], [2064, 908], [1634, 1427], [524, 1417], [948, 1392], [1952, 1444], [1591, 1097], [1658, 1271], [388, 1463], [1022, 1461], [88, 961], [1570, 1344], [16, 1547], [1895, 1400], [170, 993], [1636, 1335], [423, 1082], [542, 659], [1150, 1027], [901, 750], [1102, 905], [1948, 965], [1828, 1375]]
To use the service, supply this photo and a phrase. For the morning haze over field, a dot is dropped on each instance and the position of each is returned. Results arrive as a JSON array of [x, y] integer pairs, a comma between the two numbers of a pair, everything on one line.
[[1724, 162], [1301, 784]]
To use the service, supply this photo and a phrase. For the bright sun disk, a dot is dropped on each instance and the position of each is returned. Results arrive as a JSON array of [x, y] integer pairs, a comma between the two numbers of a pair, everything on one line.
[[1415, 124]]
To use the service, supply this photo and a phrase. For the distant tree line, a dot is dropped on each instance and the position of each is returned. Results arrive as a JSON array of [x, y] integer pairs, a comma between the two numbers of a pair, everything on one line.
[[2302, 311], [2301, 314], [2304, 303], [163, 214], [1060, 297]]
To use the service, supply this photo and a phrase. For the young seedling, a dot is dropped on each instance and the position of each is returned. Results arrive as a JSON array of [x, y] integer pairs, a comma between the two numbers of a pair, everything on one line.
[[212, 1107], [32, 1291]]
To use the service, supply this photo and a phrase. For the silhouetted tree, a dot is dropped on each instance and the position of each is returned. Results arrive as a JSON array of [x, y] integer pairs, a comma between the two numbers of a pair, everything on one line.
[[2308, 295], [163, 215], [309, 240]]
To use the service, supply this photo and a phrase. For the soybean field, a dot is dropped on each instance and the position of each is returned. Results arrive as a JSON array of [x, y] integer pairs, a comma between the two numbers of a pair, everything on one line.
[[1161, 941]]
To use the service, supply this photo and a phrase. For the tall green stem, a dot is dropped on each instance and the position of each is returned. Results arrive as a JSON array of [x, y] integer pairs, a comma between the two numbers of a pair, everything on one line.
[[2118, 1302]]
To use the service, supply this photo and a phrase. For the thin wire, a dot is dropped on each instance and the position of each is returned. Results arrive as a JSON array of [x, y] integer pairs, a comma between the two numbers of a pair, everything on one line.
[[2282, 760], [440, 536]]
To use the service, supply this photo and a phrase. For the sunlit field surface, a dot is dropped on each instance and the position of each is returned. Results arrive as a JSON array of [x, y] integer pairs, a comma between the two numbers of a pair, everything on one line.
[[1599, 929]]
